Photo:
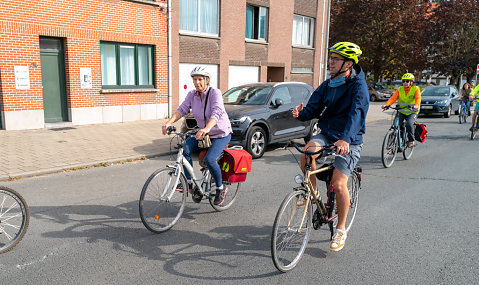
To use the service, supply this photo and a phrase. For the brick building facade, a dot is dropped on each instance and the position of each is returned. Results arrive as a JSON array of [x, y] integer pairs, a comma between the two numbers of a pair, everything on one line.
[[99, 61], [230, 52], [56, 57]]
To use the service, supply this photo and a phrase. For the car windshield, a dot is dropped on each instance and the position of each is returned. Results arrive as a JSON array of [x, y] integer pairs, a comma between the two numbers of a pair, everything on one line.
[[435, 91], [247, 95], [379, 86]]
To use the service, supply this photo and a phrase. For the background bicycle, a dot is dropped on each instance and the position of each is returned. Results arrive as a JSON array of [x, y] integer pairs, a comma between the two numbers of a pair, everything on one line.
[[163, 197], [463, 112], [295, 218], [14, 218], [395, 140]]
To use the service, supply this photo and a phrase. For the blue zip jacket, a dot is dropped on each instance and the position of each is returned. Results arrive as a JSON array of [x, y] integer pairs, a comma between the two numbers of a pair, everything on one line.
[[341, 110]]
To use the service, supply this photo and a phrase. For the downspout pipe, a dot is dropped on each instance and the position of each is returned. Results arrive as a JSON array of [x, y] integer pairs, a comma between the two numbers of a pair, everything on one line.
[[326, 42], [170, 96]]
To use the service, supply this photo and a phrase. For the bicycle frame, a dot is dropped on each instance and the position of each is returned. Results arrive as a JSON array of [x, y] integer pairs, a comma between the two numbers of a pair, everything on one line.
[[317, 200], [401, 134], [182, 162]]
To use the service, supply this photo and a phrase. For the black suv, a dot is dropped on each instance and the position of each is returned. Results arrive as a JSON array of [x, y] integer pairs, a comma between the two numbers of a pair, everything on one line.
[[261, 114]]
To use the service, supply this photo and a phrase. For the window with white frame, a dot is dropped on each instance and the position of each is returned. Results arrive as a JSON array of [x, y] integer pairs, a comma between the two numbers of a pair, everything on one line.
[[126, 65], [303, 31], [256, 23], [199, 16]]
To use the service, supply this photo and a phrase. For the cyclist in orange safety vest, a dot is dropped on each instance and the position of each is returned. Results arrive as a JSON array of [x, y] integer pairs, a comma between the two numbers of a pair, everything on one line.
[[408, 94]]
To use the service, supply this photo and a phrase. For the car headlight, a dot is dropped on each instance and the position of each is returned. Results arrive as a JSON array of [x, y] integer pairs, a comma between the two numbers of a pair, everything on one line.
[[442, 102], [239, 121], [298, 179]]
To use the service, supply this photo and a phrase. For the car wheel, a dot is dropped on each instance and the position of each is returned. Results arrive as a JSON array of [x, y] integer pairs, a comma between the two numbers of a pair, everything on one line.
[[312, 132], [256, 142], [448, 113], [373, 98]]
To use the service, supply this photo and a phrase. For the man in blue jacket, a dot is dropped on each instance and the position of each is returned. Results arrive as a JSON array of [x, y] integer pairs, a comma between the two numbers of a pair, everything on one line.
[[341, 104]]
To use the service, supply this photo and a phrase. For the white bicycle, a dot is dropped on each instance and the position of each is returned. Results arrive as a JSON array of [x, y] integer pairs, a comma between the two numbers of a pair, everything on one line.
[[163, 197]]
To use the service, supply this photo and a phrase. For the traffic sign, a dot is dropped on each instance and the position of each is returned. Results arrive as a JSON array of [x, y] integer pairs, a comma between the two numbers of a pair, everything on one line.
[[477, 71]]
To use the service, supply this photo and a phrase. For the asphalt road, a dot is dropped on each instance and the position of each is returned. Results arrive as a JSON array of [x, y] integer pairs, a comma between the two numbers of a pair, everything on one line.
[[417, 223]]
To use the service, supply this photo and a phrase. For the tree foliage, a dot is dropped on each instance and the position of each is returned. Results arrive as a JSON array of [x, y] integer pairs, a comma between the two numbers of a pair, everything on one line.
[[389, 32], [454, 38]]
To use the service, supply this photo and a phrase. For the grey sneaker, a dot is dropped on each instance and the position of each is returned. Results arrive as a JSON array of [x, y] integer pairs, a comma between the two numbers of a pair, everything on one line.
[[220, 196]]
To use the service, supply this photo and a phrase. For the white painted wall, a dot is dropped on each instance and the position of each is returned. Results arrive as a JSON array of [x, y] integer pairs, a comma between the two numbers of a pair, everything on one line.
[[23, 120], [185, 82], [239, 75]]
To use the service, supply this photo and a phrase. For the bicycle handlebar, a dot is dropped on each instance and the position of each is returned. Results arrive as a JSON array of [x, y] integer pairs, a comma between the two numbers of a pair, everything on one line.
[[184, 136], [397, 107], [324, 151]]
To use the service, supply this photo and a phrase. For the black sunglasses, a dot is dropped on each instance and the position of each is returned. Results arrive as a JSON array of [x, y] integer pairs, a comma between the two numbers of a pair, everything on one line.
[[404, 81]]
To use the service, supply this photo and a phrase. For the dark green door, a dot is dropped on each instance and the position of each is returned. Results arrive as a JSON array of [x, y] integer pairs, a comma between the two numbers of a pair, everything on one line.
[[53, 80]]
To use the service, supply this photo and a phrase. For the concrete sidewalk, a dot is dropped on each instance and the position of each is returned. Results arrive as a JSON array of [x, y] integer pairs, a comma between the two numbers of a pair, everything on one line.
[[37, 152]]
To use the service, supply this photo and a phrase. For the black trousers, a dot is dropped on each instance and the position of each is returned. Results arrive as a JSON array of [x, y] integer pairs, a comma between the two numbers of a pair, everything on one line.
[[410, 119]]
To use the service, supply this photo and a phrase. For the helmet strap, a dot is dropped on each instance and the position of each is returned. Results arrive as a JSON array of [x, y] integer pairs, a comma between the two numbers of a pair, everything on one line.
[[340, 72]]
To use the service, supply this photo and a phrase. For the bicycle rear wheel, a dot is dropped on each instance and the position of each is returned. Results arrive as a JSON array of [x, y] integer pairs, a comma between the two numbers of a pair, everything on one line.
[[389, 148], [291, 233], [474, 128], [407, 152], [230, 197], [14, 218], [162, 199], [354, 185]]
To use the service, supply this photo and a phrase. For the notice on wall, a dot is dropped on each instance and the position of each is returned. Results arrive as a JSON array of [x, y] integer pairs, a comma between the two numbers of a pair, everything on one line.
[[22, 78], [85, 77]]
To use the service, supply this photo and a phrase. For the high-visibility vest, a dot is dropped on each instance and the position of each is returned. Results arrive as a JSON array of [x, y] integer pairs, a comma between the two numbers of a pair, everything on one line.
[[407, 99]]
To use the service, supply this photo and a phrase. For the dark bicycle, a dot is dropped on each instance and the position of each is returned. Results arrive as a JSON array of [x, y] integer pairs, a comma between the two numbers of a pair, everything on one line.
[[463, 112], [295, 218], [395, 140]]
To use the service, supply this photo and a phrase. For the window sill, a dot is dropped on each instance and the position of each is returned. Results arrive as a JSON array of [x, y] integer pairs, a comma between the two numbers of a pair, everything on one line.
[[303, 47], [301, 72], [162, 5], [199, 35], [256, 41], [139, 90]]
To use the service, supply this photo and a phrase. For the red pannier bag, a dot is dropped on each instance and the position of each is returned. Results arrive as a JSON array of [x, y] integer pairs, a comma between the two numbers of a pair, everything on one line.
[[235, 164], [420, 133]]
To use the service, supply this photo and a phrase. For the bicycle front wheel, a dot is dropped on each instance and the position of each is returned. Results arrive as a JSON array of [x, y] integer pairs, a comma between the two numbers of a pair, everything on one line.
[[389, 148], [407, 152], [14, 218], [291, 232], [162, 199], [461, 114]]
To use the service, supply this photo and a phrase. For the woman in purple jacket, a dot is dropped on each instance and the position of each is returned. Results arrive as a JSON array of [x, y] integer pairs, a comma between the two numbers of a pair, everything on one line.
[[206, 104]]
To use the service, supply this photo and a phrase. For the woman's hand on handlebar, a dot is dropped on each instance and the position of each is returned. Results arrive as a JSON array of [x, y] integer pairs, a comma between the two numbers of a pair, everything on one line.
[[201, 133], [385, 107], [164, 129]]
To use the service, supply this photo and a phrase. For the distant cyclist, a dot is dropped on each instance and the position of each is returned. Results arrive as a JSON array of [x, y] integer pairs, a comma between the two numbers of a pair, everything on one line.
[[408, 94], [474, 93], [466, 97]]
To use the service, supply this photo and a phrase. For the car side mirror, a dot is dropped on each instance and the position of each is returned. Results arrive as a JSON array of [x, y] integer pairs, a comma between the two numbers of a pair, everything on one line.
[[278, 102]]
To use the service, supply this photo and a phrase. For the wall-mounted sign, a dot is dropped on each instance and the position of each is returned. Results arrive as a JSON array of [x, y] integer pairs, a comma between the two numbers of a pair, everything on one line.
[[22, 78], [85, 77]]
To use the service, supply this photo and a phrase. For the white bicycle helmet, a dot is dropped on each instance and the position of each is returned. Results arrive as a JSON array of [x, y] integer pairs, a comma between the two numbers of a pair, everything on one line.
[[200, 70]]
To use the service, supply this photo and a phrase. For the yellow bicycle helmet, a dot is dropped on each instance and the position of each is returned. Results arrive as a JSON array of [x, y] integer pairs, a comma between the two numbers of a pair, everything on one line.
[[348, 50], [408, 76]]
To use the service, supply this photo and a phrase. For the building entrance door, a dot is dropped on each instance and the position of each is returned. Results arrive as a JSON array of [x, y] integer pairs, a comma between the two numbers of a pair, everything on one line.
[[52, 59]]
